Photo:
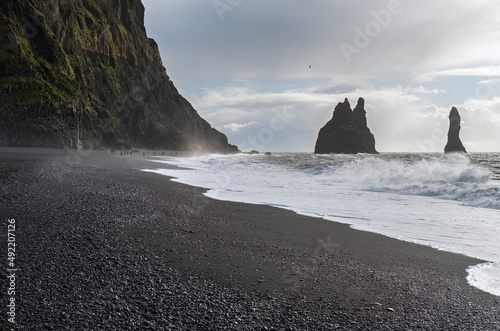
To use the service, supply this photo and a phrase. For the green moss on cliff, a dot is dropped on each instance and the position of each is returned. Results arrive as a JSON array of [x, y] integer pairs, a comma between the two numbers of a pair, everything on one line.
[[86, 70], [34, 78]]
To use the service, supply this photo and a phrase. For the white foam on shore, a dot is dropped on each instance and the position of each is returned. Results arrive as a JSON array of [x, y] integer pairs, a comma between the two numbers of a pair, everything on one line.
[[430, 201], [484, 276]]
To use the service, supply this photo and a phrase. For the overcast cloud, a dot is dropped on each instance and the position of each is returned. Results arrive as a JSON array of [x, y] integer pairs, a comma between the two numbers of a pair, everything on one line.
[[269, 73]]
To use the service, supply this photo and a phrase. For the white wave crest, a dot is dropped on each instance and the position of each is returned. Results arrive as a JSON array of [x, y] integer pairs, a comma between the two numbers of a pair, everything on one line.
[[451, 178]]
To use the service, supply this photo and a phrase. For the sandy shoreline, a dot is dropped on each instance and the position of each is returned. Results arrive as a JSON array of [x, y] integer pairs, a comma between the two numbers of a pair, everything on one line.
[[103, 245]]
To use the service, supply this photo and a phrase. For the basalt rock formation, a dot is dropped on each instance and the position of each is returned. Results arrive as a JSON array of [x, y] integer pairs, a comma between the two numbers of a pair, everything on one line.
[[347, 132], [454, 143], [79, 73]]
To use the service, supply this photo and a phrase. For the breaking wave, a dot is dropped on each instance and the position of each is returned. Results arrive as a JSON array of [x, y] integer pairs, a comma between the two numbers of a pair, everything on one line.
[[449, 177]]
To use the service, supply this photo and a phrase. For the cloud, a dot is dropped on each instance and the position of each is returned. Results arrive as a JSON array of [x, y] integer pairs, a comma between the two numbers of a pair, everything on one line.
[[399, 118], [483, 116], [263, 38], [484, 71], [235, 127], [489, 81], [290, 120], [422, 90], [267, 59]]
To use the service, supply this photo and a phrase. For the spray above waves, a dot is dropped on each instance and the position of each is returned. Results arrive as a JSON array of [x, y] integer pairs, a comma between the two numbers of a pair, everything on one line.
[[451, 177], [468, 179]]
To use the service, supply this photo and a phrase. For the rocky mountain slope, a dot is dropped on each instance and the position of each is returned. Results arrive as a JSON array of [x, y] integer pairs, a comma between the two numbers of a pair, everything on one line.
[[79, 73], [347, 132]]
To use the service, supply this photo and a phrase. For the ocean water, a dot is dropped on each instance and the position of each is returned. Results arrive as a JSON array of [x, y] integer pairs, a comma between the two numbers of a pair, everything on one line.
[[449, 202]]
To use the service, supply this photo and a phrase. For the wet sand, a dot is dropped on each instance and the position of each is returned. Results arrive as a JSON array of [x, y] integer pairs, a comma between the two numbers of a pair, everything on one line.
[[102, 245]]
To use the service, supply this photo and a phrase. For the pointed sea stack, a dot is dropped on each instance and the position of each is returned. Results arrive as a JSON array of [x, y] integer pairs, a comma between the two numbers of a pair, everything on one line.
[[454, 143], [347, 131]]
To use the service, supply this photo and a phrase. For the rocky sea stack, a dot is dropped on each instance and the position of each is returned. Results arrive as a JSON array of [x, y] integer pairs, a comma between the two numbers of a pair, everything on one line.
[[347, 132], [454, 143], [85, 74]]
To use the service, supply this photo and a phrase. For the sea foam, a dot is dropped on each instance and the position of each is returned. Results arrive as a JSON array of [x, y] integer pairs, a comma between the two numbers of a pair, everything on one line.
[[452, 178], [484, 276], [447, 202]]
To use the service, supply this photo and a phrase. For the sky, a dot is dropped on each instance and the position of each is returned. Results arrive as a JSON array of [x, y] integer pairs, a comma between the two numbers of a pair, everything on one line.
[[269, 73]]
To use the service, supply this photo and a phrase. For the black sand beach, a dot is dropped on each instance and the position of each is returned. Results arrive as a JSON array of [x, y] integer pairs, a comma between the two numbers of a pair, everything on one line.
[[101, 245]]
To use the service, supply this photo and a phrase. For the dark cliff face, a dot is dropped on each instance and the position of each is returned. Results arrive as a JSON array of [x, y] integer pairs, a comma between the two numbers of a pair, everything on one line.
[[76, 73], [347, 132], [454, 143]]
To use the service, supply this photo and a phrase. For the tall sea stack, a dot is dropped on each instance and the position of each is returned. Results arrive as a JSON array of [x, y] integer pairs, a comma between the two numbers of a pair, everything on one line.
[[454, 143], [85, 74], [347, 132]]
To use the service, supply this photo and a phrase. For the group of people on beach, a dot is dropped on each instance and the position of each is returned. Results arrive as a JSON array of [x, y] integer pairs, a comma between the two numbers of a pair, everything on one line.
[[144, 153]]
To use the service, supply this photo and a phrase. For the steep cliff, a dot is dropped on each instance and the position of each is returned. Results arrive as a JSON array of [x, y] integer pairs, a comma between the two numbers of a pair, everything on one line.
[[454, 143], [84, 73], [347, 132]]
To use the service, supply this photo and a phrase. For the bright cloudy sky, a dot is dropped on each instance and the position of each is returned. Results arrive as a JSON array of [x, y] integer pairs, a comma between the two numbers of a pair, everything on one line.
[[268, 73]]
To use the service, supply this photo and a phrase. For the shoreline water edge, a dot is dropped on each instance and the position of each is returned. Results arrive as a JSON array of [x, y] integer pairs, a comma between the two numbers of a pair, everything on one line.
[[101, 244], [449, 202]]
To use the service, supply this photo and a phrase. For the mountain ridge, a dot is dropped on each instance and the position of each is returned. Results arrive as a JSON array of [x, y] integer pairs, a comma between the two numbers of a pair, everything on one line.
[[84, 74]]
